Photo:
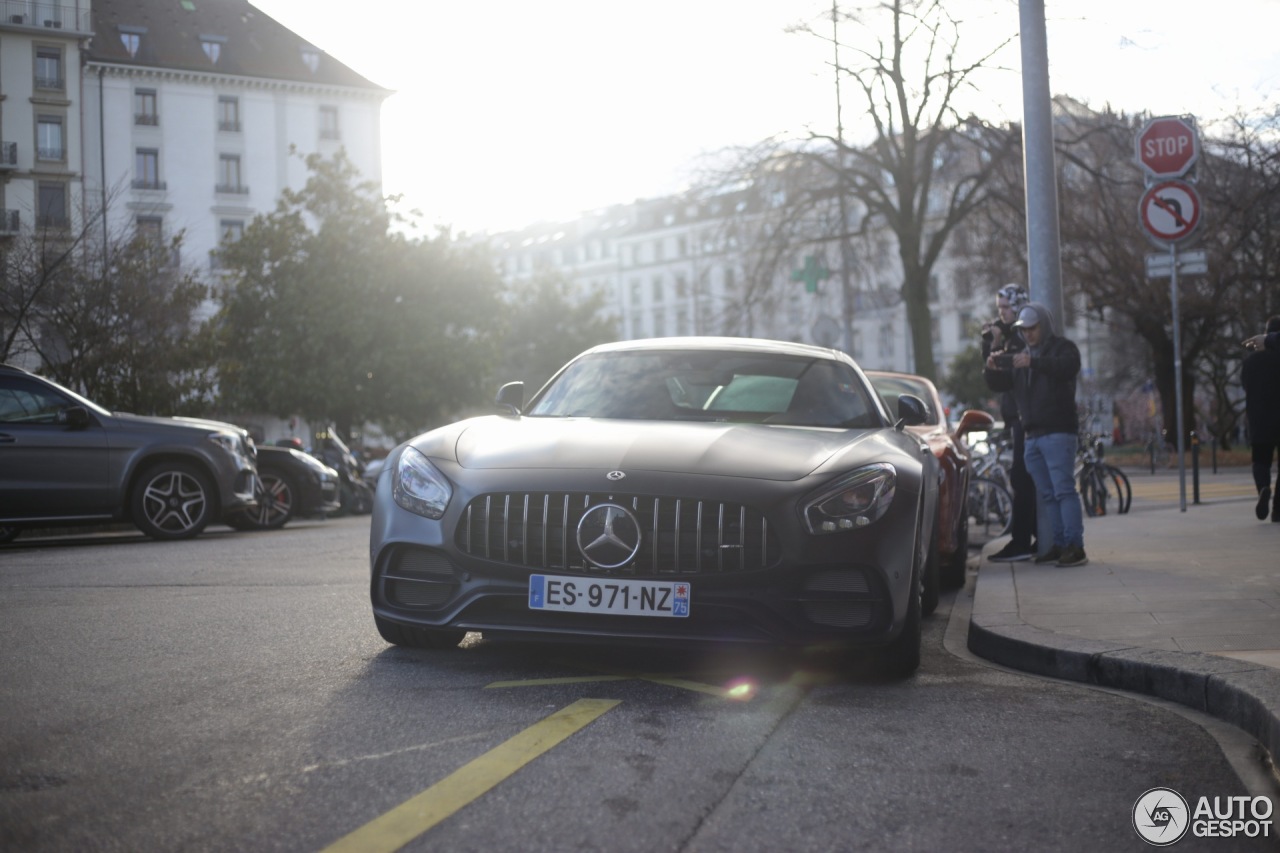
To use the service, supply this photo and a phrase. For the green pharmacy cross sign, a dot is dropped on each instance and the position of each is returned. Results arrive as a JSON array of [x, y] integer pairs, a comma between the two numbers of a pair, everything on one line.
[[811, 273]]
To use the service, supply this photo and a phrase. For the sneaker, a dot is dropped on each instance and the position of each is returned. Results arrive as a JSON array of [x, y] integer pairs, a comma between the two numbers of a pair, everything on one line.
[[1072, 555], [1012, 554], [1050, 556], [1264, 497]]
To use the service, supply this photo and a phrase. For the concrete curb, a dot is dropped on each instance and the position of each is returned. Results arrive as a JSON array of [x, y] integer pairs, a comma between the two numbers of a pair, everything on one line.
[[1243, 694]]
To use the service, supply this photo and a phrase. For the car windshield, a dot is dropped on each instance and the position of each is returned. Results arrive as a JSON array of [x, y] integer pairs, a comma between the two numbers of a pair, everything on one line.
[[709, 385], [893, 387]]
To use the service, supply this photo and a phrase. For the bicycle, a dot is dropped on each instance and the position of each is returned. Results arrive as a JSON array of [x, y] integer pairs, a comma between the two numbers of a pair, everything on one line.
[[990, 507], [994, 459], [1103, 487]]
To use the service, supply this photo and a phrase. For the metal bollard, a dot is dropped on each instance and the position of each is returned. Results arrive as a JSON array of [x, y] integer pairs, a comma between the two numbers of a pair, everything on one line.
[[1213, 452], [1195, 467]]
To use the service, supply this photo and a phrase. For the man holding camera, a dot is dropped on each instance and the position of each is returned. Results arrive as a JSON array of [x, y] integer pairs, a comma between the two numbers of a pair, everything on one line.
[[1001, 339], [1043, 382]]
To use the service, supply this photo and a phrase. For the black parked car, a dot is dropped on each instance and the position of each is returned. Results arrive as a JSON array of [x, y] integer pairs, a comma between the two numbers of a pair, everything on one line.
[[67, 461], [292, 484], [687, 490]]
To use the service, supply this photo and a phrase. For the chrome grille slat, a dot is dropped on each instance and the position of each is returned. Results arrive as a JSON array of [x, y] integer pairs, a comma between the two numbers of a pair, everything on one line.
[[672, 542]]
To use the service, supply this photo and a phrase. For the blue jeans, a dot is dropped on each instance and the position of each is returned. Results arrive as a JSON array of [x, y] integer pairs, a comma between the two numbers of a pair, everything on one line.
[[1051, 461]]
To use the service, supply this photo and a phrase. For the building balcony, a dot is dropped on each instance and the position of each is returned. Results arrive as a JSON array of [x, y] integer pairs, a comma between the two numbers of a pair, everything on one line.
[[55, 154], [9, 223], [148, 184], [229, 126], [150, 119], [55, 83], [47, 16], [231, 189], [8, 155]]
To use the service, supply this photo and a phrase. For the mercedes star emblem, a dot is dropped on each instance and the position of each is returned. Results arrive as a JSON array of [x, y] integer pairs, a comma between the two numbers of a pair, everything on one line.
[[614, 475], [608, 536]]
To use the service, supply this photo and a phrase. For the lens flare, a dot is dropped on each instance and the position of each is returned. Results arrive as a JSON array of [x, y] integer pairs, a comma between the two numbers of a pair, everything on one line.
[[741, 689]]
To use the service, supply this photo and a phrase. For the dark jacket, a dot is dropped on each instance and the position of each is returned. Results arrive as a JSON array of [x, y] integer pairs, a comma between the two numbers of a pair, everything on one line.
[[1260, 376], [1045, 392], [1010, 342]]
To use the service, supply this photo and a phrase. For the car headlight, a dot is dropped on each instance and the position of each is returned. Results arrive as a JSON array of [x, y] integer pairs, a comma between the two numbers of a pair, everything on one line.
[[419, 486], [855, 501]]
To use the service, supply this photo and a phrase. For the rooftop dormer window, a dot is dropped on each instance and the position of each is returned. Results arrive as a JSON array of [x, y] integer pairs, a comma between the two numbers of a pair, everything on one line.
[[212, 47], [131, 38], [311, 58]]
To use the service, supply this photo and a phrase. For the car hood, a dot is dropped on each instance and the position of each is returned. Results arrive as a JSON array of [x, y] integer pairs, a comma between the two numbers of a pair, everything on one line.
[[184, 424], [721, 449]]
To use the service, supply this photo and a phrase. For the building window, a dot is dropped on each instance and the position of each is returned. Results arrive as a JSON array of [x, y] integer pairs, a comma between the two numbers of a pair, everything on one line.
[[53, 205], [131, 41], [229, 231], [329, 123], [49, 139], [144, 107], [229, 174], [49, 68], [212, 46], [229, 113], [146, 166], [150, 229], [886, 343], [311, 59]]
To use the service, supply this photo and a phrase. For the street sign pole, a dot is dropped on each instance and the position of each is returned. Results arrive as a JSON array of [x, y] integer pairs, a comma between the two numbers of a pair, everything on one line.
[[1177, 376]]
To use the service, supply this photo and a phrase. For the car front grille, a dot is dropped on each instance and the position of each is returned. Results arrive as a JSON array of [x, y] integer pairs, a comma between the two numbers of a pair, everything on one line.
[[678, 536]]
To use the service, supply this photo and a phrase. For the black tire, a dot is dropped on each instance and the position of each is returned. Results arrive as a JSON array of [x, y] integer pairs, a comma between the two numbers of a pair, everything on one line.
[[277, 495], [953, 571], [173, 500], [418, 638], [8, 534], [932, 585], [1123, 489]]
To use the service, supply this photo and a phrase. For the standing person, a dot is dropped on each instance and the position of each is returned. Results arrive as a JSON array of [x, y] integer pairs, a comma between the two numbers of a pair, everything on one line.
[[1000, 338], [1043, 381], [1260, 376]]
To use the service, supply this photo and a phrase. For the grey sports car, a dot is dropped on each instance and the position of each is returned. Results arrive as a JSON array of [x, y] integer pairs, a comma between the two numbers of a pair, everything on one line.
[[677, 490]]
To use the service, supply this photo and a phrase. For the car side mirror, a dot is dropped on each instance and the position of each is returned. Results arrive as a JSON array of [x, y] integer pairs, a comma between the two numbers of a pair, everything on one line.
[[974, 419], [76, 417], [510, 397], [911, 411]]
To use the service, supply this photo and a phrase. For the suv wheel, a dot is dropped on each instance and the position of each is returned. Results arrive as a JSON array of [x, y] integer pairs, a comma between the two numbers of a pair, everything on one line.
[[172, 500]]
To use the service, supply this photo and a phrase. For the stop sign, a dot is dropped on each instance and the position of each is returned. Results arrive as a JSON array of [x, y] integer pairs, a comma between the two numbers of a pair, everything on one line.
[[1167, 147]]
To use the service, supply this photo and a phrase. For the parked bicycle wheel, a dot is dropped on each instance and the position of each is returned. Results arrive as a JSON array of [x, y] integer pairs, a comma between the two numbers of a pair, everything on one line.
[[1124, 491], [990, 507]]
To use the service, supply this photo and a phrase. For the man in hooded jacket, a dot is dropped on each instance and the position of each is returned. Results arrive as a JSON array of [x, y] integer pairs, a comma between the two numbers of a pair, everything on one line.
[[1260, 376], [1043, 383]]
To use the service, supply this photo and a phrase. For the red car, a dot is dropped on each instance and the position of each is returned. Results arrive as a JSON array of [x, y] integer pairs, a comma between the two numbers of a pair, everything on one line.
[[953, 458]]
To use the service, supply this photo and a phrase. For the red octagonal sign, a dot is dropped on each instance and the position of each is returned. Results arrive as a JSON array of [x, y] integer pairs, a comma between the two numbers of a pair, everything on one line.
[[1167, 147]]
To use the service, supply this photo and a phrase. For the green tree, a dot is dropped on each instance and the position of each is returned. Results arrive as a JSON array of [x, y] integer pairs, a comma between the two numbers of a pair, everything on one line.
[[331, 314], [965, 384], [547, 326], [116, 322]]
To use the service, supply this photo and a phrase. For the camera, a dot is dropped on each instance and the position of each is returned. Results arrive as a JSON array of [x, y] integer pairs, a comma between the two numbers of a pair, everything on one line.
[[1004, 361]]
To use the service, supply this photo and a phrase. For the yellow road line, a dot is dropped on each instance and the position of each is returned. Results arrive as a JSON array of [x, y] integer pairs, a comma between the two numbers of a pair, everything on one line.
[[415, 816]]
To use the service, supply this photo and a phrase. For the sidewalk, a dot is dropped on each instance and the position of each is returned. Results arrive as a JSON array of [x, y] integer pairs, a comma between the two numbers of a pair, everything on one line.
[[1180, 605]]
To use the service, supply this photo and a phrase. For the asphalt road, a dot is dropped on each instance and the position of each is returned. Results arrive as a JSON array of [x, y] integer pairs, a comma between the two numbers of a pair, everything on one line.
[[231, 693]]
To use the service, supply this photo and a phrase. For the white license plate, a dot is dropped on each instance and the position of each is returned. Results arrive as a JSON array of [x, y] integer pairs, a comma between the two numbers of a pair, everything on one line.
[[618, 597]]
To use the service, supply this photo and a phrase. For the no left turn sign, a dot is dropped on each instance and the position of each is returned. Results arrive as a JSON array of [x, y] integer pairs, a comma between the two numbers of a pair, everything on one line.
[[1170, 211]]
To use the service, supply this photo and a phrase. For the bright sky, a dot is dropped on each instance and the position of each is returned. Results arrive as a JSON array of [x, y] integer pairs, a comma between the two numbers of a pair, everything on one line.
[[510, 112]]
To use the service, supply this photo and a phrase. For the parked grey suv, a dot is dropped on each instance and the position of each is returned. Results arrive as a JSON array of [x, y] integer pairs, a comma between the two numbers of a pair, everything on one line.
[[65, 460]]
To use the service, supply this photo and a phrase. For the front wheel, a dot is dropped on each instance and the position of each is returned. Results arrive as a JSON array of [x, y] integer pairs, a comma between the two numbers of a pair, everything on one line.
[[277, 496], [172, 500]]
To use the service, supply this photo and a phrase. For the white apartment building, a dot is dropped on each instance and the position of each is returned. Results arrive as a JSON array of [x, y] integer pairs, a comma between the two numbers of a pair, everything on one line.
[[41, 158], [672, 266], [196, 114]]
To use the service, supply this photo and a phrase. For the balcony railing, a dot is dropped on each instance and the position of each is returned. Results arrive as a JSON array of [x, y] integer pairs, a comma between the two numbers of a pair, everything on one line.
[[8, 155], [52, 16], [229, 126], [51, 153], [231, 189], [53, 220], [44, 82], [146, 118], [9, 222], [148, 184]]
